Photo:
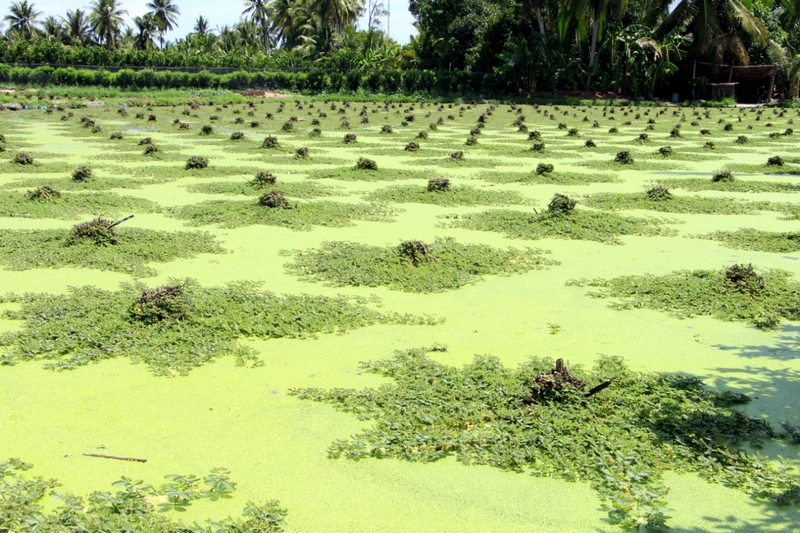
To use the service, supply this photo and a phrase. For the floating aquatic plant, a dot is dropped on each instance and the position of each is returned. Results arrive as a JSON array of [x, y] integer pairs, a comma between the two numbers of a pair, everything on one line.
[[617, 429]]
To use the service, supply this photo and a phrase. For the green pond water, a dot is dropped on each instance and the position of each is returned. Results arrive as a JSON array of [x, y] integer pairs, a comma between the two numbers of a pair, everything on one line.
[[276, 445]]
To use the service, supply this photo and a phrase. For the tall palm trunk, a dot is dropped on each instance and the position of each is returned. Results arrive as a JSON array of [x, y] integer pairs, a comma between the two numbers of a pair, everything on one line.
[[592, 50], [538, 8]]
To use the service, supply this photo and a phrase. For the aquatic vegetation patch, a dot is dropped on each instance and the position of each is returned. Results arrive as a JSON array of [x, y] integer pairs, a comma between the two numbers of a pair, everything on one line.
[[617, 429], [453, 196], [96, 183], [764, 169], [134, 506], [296, 189], [301, 216], [717, 293], [753, 239], [358, 174], [459, 161], [48, 202], [550, 178], [40, 166], [655, 199], [734, 185], [659, 163], [88, 324], [120, 249], [583, 225], [412, 266]]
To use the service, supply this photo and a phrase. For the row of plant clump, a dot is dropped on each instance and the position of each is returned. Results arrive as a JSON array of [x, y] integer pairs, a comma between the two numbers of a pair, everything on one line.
[[412, 82]]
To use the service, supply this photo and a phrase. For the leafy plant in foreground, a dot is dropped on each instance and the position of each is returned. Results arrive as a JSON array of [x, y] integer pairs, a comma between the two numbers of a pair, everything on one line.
[[736, 293], [94, 245], [89, 324], [413, 266], [620, 436], [131, 508]]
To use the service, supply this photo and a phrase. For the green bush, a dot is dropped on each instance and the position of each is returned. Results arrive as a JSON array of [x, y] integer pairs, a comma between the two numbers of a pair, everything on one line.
[[196, 162], [561, 204]]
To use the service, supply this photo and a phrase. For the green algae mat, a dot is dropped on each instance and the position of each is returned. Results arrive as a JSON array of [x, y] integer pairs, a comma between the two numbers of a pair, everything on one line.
[[344, 316]]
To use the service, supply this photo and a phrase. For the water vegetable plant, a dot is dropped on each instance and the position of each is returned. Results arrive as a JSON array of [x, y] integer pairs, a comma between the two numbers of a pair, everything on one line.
[[174, 328], [617, 429], [412, 266]]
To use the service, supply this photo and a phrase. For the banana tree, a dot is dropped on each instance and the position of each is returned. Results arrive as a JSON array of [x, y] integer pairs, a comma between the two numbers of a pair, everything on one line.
[[666, 52]]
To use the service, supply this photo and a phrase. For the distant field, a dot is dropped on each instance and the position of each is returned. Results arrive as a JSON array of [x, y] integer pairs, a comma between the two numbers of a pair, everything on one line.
[[303, 237]]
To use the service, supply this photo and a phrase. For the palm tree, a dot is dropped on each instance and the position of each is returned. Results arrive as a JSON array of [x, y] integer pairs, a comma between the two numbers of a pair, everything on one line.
[[54, 29], [285, 15], [165, 14], [201, 26], [106, 19], [77, 28], [22, 19], [147, 30], [337, 14], [716, 27], [259, 13], [599, 11], [248, 33]]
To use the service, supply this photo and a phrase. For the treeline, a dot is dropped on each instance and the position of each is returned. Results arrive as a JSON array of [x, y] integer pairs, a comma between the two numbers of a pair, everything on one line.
[[422, 82]]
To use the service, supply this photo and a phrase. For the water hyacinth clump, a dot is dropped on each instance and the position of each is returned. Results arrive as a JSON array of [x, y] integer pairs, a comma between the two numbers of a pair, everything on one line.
[[364, 163], [413, 265], [82, 174], [264, 179], [23, 158], [176, 328], [274, 199], [548, 419], [98, 231], [561, 204], [735, 293], [196, 162], [723, 177], [167, 302], [624, 157], [44, 194], [438, 185], [658, 194]]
